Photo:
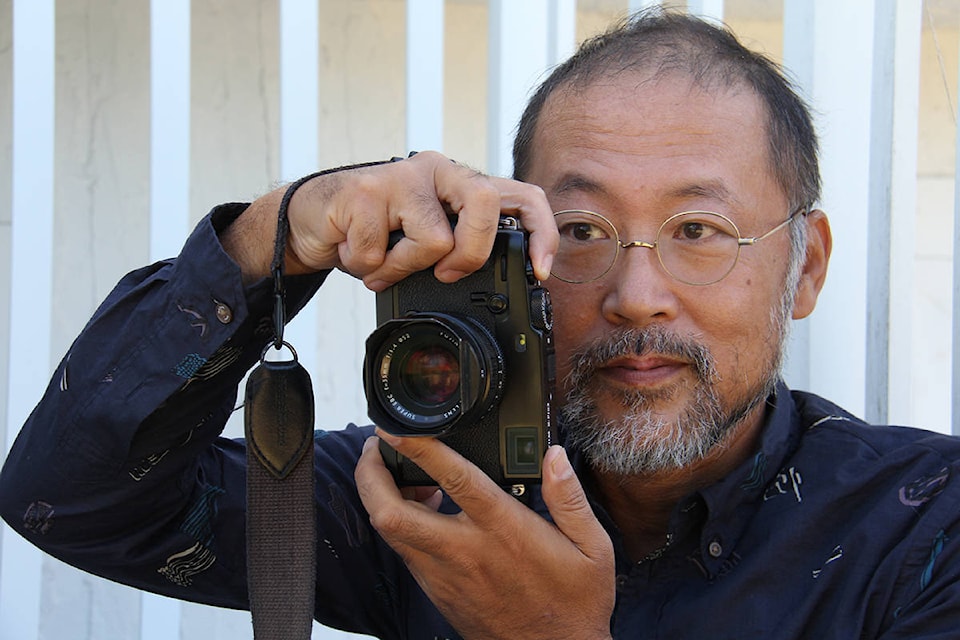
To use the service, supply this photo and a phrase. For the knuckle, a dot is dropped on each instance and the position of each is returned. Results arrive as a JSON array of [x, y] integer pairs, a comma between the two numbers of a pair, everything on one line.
[[365, 186], [480, 234], [538, 195], [436, 242], [483, 225], [457, 481], [535, 191], [397, 526], [390, 523], [513, 536], [430, 156], [360, 263], [365, 238], [575, 502], [484, 193], [363, 251], [474, 258]]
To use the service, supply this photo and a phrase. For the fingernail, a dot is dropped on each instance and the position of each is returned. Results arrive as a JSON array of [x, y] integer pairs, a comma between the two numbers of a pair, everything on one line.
[[450, 275], [377, 285], [547, 266], [560, 465]]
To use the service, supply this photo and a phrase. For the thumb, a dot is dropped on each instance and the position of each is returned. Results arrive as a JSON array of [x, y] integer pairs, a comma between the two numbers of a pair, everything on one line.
[[569, 507]]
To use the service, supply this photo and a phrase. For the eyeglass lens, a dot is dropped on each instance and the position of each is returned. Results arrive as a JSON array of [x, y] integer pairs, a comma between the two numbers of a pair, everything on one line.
[[694, 247]]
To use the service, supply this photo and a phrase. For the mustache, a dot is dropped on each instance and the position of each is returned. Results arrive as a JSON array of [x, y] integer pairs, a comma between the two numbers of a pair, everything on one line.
[[632, 341]]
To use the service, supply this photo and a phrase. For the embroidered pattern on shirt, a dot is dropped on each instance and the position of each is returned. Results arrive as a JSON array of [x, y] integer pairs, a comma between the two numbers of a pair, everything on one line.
[[786, 482], [64, 382], [924, 489], [197, 524], [220, 360], [755, 480], [146, 465], [829, 419], [935, 551], [196, 319], [38, 517], [181, 567], [332, 549], [835, 555], [188, 367]]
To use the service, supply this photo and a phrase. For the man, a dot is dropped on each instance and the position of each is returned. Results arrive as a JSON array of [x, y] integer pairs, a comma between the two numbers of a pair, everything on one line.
[[696, 496]]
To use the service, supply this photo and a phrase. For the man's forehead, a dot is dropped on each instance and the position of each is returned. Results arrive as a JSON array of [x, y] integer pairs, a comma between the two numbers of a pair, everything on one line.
[[635, 115], [636, 87]]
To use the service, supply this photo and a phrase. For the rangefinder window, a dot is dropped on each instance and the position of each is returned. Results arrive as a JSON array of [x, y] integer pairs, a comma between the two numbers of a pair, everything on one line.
[[524, 451]]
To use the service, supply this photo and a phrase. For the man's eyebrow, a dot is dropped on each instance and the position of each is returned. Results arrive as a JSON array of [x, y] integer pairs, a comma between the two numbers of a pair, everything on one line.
[[711, 189], [576, 182]]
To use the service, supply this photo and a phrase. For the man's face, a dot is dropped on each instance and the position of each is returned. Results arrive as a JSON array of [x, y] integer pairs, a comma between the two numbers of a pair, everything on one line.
[[656, 371]]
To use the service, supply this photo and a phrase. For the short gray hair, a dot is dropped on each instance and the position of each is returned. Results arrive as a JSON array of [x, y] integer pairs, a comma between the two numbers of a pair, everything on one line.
[[664, 42]]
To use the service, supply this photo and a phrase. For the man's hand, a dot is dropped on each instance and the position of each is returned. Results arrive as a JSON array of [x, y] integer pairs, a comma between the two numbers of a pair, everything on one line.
[[343, 220], [496, 569]]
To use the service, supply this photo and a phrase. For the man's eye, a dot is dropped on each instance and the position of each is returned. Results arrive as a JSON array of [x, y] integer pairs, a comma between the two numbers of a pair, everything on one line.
[[583, 232], [697, 231], [692, 230]]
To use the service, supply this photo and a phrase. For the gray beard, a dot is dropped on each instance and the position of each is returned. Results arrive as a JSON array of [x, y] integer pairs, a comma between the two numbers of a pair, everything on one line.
[[639, 441]]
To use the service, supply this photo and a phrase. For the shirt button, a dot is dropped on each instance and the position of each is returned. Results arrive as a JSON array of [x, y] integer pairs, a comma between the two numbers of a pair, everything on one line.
[[715, 549], [224, 313], [622, 581]]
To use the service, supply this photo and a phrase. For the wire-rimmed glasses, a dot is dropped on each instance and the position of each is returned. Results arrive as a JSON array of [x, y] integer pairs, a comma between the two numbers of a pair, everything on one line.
[[694, 247]]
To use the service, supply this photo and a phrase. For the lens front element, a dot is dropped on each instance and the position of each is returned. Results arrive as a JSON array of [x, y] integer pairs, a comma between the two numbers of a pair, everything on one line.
[[430, 376], [429, 371]]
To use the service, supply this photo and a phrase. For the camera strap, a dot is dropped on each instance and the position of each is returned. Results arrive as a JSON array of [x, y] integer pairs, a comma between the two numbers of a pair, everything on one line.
[[281, 524], [278, 425], [281, 536]]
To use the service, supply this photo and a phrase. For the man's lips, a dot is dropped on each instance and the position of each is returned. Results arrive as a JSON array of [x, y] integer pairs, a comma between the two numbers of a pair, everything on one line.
[[644, 371]]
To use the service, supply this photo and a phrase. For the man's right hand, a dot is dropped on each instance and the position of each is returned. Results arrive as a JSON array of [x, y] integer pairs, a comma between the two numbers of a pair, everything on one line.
[[343, 220]]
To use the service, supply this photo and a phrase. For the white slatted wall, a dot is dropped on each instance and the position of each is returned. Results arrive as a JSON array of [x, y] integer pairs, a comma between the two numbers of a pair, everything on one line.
[[126, 121]]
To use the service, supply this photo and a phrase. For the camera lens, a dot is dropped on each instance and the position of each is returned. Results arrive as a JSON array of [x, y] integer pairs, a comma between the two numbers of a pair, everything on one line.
[[431, 375], [426, 372]]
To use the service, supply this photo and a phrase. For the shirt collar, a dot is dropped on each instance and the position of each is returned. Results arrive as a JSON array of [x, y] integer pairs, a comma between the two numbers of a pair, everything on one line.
[[729, 501]]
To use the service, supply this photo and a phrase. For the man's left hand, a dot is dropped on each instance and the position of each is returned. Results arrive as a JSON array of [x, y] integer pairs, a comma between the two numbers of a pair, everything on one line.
[[496, 569]]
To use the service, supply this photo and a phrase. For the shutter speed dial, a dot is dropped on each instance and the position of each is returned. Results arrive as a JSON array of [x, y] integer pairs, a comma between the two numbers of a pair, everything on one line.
[[541, 309]]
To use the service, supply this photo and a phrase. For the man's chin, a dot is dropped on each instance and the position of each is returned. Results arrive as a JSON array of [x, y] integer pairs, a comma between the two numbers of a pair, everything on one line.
[[626, 434], [663, 403]]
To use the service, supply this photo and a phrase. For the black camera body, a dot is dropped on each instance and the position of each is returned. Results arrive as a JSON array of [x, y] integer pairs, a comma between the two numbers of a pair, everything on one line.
[[471, 363]]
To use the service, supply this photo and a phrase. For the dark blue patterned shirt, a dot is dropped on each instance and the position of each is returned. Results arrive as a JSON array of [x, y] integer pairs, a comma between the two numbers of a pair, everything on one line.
[[833, 529]]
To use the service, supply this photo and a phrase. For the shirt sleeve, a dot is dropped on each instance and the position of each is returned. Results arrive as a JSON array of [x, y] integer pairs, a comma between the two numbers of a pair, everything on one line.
[[120, 469], [930, 609]]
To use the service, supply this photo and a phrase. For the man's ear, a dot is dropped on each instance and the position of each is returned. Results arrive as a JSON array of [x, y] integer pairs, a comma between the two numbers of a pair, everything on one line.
[[814, 272]]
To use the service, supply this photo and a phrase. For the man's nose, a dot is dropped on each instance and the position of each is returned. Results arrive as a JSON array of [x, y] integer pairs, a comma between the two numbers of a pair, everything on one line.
[[640, 291]]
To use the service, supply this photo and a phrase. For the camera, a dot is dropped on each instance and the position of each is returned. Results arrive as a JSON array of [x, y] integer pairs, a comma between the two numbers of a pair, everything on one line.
[[471, 363]]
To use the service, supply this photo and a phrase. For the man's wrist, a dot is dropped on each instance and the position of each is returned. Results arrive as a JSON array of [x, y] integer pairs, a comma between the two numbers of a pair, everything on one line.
[[249, 239]]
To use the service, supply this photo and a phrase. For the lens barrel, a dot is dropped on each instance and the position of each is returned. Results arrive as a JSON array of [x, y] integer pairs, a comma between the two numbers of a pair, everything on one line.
[[424, 373]]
